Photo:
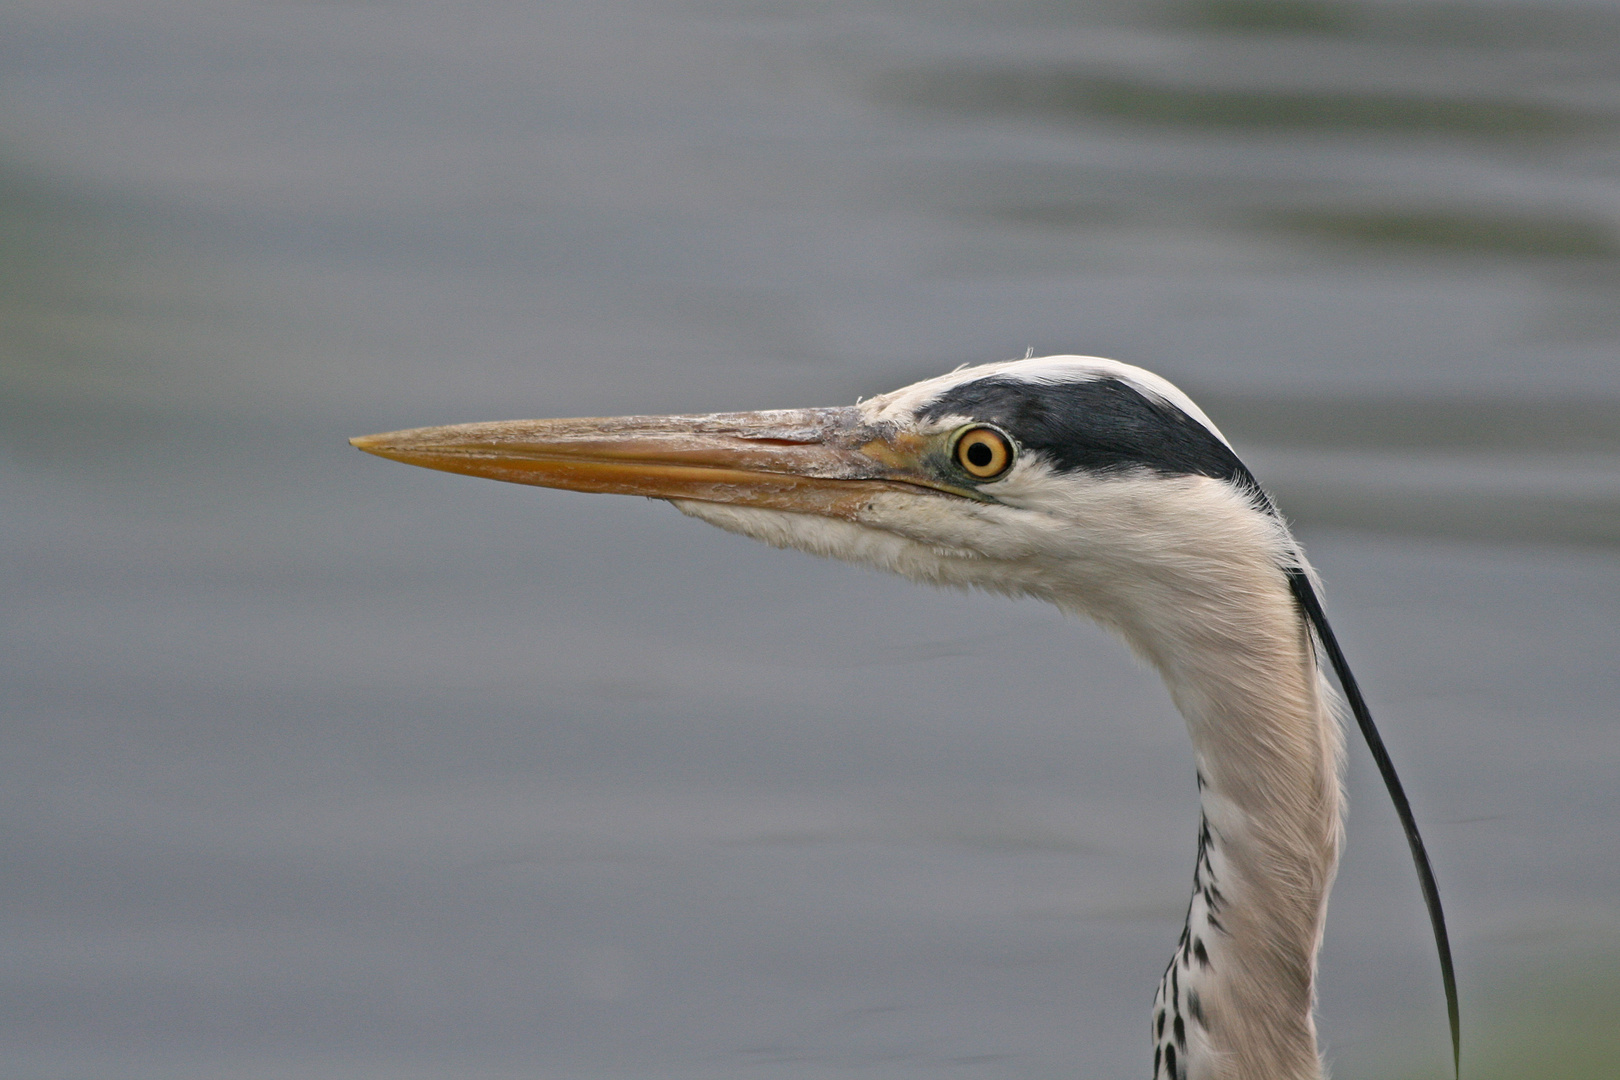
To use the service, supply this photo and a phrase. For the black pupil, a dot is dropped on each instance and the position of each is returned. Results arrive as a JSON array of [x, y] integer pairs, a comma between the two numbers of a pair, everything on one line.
[[980, 455]]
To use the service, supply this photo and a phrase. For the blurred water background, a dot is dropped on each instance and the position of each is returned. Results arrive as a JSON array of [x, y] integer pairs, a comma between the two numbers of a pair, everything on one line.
[[318, 766]]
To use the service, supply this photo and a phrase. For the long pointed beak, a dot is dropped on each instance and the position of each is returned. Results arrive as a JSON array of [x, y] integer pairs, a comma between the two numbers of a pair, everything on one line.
[[819, 461]]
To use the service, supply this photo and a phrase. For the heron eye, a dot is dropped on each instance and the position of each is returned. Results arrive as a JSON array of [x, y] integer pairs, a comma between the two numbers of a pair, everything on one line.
[[983, 452]]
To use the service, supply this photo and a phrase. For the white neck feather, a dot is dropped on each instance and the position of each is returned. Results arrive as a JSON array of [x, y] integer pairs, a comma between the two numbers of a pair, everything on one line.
[[1210, 607], [1236, 1001]]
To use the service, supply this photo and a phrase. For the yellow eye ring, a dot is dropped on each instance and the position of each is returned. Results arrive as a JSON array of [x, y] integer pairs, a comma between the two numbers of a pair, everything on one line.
[[983, 452]]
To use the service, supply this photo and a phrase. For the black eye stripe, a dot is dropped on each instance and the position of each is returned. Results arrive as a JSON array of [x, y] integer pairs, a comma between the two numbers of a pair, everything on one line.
[[1099, 425]]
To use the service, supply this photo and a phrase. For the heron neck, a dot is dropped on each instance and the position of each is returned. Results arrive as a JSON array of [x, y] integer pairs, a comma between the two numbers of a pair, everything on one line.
[[1238, 997]]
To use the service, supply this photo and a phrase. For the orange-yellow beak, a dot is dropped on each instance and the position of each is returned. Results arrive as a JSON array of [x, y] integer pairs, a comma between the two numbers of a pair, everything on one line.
[[819, 461]]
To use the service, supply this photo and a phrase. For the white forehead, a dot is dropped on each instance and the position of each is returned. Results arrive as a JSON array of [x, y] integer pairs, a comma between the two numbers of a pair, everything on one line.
[[908, 401]]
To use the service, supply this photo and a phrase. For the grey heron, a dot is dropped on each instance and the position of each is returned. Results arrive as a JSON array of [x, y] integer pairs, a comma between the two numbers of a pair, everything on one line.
[[1103, 489]]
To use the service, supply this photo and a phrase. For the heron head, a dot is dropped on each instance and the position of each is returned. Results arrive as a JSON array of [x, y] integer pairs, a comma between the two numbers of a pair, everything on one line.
[[1045, 477]]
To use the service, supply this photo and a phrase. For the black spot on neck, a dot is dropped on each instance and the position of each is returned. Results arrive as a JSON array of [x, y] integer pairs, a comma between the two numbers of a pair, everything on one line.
[[1101, 425]]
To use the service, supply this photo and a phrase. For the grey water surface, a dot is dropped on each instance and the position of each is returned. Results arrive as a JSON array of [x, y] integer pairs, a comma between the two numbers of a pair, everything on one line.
[[312, 765]]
